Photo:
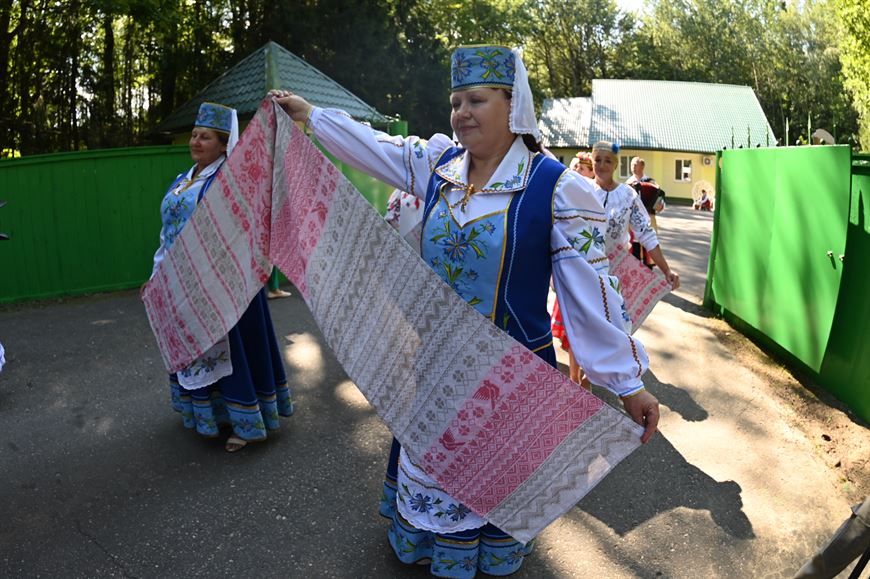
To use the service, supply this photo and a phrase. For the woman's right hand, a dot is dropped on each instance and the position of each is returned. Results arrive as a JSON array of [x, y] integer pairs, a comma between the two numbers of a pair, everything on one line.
[[643, 408], [297, 107]]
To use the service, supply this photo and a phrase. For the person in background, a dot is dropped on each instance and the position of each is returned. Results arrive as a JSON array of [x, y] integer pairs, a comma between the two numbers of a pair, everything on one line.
[[275, 290], [638, 165], [496, 194], [653, 199], [703, 203], [626, 215], [240, 382], [404, 213], [582, 164]]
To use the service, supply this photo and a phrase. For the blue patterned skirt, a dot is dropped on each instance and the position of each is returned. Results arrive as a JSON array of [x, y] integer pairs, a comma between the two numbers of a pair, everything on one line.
[[254, 396], [460, 555]]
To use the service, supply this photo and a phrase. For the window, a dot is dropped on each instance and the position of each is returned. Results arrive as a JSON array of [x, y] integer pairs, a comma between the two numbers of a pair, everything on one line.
[[683, 170], [624, 166]]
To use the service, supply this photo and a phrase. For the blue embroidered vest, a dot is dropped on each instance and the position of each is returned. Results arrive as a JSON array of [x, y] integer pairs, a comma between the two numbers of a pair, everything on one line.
[[499, 263], [178, 205]]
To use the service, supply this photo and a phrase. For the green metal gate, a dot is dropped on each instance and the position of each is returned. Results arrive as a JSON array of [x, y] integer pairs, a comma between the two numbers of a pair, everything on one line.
[[788, 259]]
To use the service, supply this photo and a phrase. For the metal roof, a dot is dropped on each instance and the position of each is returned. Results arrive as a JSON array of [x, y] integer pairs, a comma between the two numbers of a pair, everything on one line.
[[565, 122], [659, 115], [244, 86]]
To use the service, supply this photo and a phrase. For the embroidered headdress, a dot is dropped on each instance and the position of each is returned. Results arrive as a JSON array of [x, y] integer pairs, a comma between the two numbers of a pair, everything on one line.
[[584, 158], [496, 66], [219, 118], [606, 146]]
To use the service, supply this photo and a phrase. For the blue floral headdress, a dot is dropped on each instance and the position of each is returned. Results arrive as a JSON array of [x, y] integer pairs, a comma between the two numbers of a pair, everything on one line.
[[484, 65], [219, 118], [215, 116]]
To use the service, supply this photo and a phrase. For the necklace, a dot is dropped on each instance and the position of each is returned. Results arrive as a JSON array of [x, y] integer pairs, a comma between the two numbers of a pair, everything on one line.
[[469, 191], [185, 186]]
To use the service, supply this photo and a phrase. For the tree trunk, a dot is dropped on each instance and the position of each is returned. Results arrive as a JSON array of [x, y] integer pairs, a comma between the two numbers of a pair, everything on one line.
[[106, 107]]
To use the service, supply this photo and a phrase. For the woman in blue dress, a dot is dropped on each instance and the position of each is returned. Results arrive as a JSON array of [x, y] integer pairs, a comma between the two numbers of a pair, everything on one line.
[[240, 382], [499, 220]]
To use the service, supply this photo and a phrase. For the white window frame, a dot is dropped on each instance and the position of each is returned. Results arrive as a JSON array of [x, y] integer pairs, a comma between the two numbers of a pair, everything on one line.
[[625, 166], [683, 170]]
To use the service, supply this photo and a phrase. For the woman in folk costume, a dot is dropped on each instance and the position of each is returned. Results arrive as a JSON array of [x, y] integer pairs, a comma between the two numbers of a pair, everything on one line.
[[627, 220], [499, 219], [582, 164], [240, 382], [404, 214]]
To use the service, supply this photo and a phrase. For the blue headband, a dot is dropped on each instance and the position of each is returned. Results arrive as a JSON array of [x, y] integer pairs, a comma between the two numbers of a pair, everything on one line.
[[215, 116], [483, 65]]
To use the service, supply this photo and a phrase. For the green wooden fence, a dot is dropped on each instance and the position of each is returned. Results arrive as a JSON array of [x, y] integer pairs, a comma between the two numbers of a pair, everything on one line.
[[788, 258], [90, 221]]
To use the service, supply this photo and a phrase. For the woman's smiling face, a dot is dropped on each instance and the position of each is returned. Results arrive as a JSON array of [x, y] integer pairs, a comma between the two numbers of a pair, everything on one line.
[[479, 117], [604, 163], [205, 146]]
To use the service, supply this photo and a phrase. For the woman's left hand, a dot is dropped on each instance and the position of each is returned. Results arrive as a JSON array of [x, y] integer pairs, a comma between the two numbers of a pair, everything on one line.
[[673, 279], [297, 107]]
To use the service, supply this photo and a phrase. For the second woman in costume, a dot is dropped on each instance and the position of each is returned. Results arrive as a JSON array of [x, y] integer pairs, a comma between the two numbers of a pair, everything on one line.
[[240, 382]]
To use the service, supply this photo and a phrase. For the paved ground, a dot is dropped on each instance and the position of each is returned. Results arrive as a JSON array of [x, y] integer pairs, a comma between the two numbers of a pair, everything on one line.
[[99, 479]]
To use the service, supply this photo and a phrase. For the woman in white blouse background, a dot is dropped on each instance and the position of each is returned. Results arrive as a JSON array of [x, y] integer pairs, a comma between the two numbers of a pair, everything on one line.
[[626, 214]]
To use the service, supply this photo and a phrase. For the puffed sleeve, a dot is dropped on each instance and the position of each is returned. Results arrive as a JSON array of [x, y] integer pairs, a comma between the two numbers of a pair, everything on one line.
[[591, 306], [402, 162], [394, 207], [640, 224]]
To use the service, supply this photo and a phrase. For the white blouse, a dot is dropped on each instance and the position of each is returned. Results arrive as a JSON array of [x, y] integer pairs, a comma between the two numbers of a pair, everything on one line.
[[625, 210], [591, 307]]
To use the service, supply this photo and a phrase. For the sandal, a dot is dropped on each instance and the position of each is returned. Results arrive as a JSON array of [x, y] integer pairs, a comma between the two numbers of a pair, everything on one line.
[[235, 444], [278, 293]]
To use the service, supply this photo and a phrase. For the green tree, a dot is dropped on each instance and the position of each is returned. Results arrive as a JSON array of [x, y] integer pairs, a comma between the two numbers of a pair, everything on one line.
[[855, 58], [571, 42], [787, 52]]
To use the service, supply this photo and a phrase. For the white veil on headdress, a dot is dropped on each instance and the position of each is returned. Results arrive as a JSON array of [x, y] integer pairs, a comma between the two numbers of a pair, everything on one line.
[[234, 132], [522, 119]]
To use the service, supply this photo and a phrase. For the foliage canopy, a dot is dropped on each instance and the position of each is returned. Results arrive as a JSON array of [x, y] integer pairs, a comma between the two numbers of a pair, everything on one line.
[[102, 73]]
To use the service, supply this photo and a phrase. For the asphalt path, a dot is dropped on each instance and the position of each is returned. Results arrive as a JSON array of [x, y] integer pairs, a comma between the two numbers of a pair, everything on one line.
[[684, 235], [98, 478]]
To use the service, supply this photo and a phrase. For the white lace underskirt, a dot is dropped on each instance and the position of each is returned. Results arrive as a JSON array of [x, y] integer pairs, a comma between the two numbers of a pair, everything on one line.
[[426, 506]]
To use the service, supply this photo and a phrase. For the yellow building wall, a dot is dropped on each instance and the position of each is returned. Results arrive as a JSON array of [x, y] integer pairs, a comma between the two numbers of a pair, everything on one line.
[[661, 166]]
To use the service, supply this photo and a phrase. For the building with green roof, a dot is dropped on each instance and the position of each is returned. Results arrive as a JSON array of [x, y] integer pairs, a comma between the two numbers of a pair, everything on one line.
[[244, 86], [676, 127]]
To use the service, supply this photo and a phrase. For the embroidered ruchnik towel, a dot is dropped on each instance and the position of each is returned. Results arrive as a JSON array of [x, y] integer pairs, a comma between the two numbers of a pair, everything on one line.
[[641, 287], [498, 428]]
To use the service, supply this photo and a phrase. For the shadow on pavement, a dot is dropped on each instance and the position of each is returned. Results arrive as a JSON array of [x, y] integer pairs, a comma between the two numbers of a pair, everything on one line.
[[687, 306], [677, 399], [658, 479]]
